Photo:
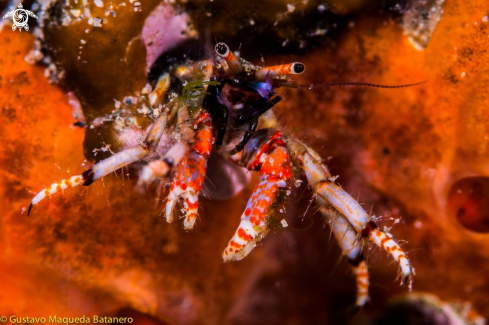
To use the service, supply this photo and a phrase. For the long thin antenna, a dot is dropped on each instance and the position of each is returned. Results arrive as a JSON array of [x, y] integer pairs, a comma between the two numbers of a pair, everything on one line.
[[358, 84]]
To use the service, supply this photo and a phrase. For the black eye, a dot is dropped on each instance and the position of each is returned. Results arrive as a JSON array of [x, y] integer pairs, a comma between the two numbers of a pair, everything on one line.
[[222, 49], [298, 67]]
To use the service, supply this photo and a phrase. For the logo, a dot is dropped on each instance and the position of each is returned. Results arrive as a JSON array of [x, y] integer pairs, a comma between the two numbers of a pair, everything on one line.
[[20, 17]]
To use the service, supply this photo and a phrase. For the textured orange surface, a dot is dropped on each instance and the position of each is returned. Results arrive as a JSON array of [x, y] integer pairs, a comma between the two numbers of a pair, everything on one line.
[[101, 249], [35, 134], [57, 260], [401, 150], [106, 247]]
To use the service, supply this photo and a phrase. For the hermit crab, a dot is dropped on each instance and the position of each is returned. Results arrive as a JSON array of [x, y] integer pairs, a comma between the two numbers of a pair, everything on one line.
[[219, 110]]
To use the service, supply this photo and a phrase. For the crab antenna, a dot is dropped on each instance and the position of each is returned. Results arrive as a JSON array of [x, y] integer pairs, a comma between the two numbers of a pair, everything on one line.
[[360, 84], [280, 70], [235, 66]]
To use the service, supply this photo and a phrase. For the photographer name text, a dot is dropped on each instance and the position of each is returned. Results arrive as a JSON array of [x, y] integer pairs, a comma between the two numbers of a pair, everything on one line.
[[66, 320]]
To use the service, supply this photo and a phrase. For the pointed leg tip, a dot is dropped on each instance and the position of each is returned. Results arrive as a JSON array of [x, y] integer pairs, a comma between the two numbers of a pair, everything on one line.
[[189, 220], [29, 210], [169, 218], [229, 256], [189, 225], [225, 256], [169, 214], [404, 280], [361, 303], [225, 259]]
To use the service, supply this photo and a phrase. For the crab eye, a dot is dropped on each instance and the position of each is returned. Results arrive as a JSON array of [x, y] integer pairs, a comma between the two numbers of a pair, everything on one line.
[[222, 49], [298, 67]]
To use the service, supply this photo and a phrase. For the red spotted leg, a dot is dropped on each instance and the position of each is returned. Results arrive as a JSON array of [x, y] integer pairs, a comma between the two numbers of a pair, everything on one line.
[[266, 151], [190, 174]]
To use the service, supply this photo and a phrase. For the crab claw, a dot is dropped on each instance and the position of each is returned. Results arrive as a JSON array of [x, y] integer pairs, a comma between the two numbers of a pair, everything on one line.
[[253, 226], [244, 240], [186, 185], [190, 174], [272, 159]]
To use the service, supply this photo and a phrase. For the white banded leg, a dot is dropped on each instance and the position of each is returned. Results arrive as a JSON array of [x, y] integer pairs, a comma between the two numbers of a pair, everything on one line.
[[348, 238], [107, 166], [323, 185]]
